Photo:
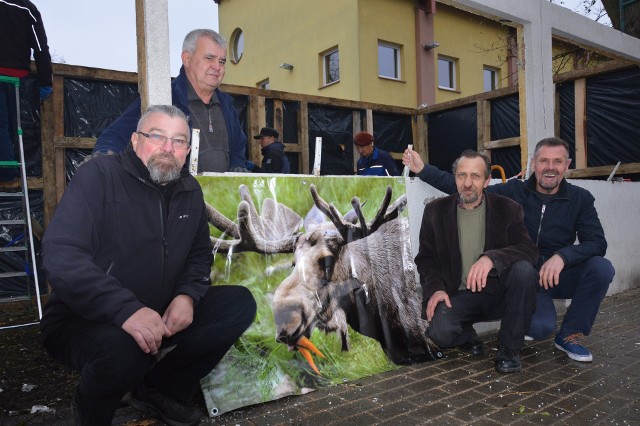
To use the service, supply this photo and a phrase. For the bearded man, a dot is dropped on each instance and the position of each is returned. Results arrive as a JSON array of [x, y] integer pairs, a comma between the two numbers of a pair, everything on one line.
[[476, 264], [128, 258]]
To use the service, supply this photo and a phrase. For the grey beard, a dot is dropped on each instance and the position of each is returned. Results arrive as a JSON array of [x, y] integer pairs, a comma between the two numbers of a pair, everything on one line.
[[162, 173]]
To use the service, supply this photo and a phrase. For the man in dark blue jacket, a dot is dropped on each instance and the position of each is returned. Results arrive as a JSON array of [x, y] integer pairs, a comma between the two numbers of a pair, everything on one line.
[[555, 212], [128, 257], [373, 161], [195, 91], [274, 160]]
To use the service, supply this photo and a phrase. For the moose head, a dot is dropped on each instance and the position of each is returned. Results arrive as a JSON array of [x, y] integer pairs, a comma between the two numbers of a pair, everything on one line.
[[336, 268]]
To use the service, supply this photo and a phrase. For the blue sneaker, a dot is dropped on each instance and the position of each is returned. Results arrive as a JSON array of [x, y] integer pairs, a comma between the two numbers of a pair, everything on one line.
[[573, 349]]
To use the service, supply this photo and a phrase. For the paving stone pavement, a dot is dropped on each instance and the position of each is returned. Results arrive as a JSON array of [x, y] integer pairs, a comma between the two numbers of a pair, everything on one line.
[[464, 389]]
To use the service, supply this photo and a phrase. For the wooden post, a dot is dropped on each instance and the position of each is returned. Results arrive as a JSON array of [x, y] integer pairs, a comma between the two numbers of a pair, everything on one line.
[[303, 137], [580, 87]]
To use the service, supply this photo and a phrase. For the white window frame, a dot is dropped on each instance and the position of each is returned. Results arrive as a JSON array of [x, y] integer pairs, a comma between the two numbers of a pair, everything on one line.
[[397, 66], [326, 68], [452, 71], [236, 45], [495, 74]]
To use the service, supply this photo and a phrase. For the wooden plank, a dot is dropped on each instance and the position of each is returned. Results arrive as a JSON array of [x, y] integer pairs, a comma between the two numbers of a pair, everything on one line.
[[483, 123], [522, 97], [76, 71], [580, 105], [256, 120], [466, 101], [556, 113], [357, 126], [303, 137], [369, 121], [319, 100], [141, 40], [48, 128], [278, 117], [624, 169], [593, 70], [421, 136], [34, 182], [73, 142], [502, 143]]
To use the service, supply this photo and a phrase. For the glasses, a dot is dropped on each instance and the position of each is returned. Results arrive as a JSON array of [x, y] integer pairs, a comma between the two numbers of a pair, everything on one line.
[[156, 139]]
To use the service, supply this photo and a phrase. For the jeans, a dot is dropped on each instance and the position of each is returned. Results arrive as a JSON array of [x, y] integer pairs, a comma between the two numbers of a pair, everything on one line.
[[586, 285], [111, 363], [514, 303], [7, 129]]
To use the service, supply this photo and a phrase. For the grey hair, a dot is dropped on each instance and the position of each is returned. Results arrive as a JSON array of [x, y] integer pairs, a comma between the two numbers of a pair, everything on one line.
[[168, 110], [551, 142], [191, 39], [469, 153]]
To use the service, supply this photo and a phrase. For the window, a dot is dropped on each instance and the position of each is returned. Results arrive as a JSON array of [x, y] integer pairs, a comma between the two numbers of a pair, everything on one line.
[[237, 45], [490, 77], [447, 73], [388, 61], [264, 84], [330, 67]]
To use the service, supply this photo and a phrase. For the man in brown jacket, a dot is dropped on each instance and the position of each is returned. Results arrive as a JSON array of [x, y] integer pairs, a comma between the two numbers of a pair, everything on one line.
[[475, 264]]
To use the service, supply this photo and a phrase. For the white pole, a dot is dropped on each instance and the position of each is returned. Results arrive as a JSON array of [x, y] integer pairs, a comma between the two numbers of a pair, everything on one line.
[[318, 157]]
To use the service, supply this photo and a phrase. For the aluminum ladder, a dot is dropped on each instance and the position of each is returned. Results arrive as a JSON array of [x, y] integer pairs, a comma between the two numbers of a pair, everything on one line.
[[27, 246]]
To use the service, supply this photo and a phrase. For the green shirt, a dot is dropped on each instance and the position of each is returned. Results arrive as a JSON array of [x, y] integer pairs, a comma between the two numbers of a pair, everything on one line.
[[471, 234]]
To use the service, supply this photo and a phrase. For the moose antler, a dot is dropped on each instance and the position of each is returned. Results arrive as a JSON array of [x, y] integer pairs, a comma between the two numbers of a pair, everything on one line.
[[350, 231], [273, 231]]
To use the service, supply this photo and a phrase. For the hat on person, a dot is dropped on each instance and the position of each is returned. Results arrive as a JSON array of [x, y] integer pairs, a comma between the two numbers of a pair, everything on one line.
[[267, 131], [363, 139]]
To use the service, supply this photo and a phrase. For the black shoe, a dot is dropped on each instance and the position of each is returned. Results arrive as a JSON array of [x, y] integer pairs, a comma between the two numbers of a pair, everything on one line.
[[173, 412], [507, 360], [76, 414], [473, 347]]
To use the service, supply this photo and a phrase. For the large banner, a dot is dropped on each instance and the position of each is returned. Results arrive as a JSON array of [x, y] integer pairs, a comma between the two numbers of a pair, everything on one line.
[[329, 262]]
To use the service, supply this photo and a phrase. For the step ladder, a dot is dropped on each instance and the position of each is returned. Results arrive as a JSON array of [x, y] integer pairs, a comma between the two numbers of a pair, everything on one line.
[[21, 193]]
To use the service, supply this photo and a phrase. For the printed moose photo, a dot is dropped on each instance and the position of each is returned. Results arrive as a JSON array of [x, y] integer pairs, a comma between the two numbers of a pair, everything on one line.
[[329, 262]]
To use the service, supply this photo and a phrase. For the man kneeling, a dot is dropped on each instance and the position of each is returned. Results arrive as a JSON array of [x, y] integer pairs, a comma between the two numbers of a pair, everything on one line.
[[128, 257], [475, 264]]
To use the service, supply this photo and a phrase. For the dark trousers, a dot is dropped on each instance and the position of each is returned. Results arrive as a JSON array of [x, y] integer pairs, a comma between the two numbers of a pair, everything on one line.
[[586, 285], [7, 129], [514, 302], [110, 362]]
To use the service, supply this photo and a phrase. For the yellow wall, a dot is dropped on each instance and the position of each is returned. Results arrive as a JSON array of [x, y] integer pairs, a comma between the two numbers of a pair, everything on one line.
[[391, 21], [475, 42], [295, 32]]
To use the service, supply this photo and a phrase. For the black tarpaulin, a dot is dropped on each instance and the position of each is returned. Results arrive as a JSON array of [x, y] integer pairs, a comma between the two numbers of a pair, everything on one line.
[[566, 95], [613, 118], [335, 127], [505, 123], [450, 133]]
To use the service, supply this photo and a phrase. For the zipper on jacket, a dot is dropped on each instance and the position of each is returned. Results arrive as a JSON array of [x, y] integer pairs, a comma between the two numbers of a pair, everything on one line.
[[163, 249], [544, 206]]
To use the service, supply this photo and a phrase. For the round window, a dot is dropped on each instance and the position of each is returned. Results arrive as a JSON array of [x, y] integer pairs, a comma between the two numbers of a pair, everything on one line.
[[237, 45]]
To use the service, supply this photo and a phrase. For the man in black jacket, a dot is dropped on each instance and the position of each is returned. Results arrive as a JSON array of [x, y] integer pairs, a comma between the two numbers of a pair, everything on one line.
[[21, 31], [555, 213], [274, 160], [475, 264], [128, 258]]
